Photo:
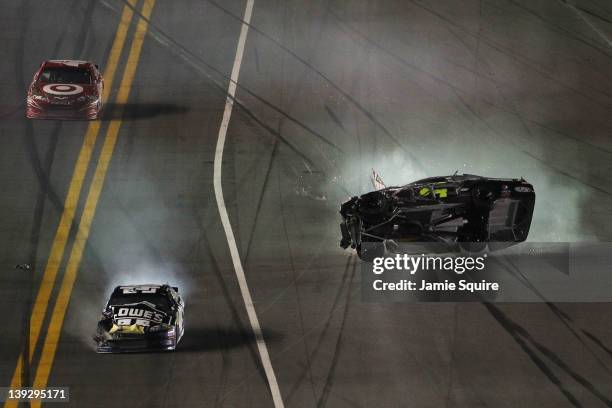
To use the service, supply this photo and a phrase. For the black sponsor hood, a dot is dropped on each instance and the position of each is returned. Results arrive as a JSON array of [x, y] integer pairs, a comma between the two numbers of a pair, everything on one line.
[[141, 313]]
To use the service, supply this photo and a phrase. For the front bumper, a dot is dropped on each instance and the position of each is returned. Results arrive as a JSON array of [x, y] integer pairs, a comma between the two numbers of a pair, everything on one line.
[[36, 110], [135, 343]]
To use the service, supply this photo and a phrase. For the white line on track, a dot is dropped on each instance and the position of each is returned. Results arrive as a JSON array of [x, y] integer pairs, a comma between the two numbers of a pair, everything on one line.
[[227, 227]]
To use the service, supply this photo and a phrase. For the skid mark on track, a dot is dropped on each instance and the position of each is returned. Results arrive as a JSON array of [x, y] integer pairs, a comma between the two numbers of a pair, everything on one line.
[[42, 168], [86, 29], [568, 175], [226, 291], [523, 338], [559, 29], [326, 326], [368, 114], [334, 117], [202, 66], [283, 217], [597, 341], [293, 344], [533, 65], [566, 320], [457, 89], [260, 198], [539, 362], [329, 382]]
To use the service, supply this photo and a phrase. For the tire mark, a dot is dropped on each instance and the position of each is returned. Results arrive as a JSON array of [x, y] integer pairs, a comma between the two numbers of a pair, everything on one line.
[[85, 29], [225, 368], [568, 175], [451, 363], [402, 61], [522, 336], [334, 117], [228, 298], [260, 199], [592, 13], [559, 29], [369, 115], [42, 170], [568, 136], [513, 270], [169, 375], [597, 341], [516, 57], [524, 120], [197, 62], [308, 369], [332, 369], [511, 328], [315, 350]]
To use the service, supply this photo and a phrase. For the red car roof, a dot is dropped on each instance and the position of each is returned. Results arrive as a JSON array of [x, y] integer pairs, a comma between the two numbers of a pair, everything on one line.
[[67, 63]]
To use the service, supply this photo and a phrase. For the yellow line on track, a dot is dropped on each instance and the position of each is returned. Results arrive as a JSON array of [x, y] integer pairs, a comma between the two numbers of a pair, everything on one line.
[[59, 311], [56, 255]]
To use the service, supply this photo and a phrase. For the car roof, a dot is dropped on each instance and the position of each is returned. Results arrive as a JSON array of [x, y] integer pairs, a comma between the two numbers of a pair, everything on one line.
[[67, 63], [158, 288]]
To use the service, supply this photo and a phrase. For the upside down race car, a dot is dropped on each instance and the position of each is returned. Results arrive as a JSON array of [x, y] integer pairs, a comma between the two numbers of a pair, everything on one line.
[[65, 89], [140, 318], [450, 210]]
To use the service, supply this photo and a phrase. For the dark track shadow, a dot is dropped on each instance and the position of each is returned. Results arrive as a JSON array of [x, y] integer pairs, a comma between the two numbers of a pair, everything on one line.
[[135, 111], [211, 339]]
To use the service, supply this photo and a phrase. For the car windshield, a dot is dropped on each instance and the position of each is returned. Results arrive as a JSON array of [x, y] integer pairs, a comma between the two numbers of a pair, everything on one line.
[[63, 75], [160, 301]]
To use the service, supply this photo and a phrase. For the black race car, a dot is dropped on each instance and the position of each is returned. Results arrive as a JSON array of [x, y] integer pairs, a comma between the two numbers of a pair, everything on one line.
[[451, 210], [140, 318]]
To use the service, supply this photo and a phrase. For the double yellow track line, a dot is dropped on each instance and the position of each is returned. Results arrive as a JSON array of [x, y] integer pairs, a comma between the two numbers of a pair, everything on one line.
[[40, 307]]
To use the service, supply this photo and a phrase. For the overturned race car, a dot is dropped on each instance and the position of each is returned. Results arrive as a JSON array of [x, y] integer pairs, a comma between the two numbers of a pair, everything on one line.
[[141, 318], [453, 210]]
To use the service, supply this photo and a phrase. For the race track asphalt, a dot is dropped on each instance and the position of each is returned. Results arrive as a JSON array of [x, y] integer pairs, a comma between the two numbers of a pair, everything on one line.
[[328, 91]]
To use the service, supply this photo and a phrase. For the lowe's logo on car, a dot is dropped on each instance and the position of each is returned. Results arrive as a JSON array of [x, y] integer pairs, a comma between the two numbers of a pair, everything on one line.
[[135, 313], [63, 89]]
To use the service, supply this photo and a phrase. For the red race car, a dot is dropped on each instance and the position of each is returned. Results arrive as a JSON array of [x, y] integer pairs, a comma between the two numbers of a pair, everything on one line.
[[65, 89]]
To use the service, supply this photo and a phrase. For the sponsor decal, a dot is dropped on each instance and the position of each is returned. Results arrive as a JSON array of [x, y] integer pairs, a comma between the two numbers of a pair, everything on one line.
[[125, 316], [63, 89]]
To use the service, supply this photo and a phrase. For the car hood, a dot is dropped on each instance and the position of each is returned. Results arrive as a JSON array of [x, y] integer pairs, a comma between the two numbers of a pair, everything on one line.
[[65, 91], [141, 313]]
